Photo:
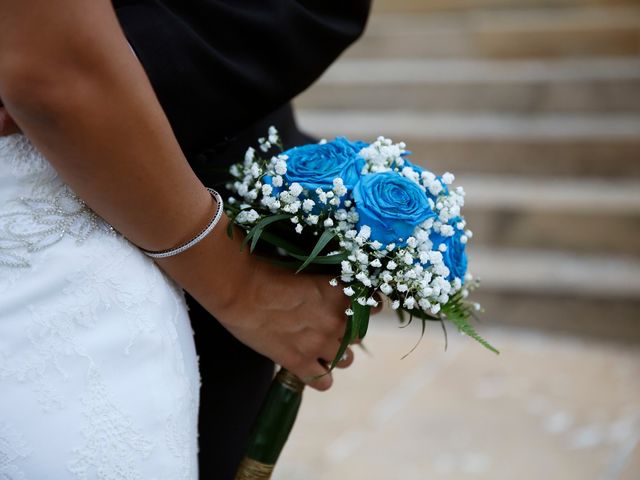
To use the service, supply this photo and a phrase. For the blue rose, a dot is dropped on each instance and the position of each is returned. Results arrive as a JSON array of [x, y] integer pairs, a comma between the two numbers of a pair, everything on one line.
[[316, 165], [391, 205], [455, 256]]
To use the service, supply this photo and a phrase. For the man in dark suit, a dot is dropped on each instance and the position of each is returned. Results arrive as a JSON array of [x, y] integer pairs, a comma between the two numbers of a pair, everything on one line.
[[224, 71]]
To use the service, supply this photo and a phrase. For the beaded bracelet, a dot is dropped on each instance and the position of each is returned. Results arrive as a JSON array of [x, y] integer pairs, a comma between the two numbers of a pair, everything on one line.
[[207, 230]]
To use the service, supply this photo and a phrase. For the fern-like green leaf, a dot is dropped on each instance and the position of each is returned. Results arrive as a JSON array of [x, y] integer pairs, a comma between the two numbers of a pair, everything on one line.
[[465, 327]]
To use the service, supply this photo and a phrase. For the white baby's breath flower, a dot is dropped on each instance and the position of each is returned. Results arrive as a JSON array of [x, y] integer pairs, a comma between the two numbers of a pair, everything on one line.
[[376, 263], [264, 145], [372, 302], [277, 181], [362, 301], [298, 228], [348, 291], [376, 245], [308, 204], [280, 167], [407, 258], [435, 308], [435, 188], [255, 170], [391, 265], [333, 282], [346, 267], [386, 288], [249, 156], [409, 303], [295, 189], [442, 247], [312, 219], [348, 312], [448, 178], [328, 222], [365, 232], [447, 230], [402, 287], [395, 305], [364, 279], [353, 216], [267, 189]]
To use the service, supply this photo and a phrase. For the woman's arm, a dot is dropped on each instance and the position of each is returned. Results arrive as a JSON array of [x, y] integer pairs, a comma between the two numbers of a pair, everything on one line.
[[70, 81]]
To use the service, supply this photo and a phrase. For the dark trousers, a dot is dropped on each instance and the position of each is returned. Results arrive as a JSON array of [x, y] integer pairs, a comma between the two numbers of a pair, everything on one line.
[[235, 379]]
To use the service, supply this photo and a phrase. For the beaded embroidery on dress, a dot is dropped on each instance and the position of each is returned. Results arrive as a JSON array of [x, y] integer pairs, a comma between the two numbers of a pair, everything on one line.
[[98, 370]]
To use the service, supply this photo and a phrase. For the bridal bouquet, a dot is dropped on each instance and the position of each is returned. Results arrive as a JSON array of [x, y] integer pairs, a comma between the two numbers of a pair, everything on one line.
[[381, 225]]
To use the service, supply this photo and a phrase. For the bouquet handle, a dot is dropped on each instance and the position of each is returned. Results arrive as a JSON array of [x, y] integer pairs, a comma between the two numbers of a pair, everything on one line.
[[272, 427]]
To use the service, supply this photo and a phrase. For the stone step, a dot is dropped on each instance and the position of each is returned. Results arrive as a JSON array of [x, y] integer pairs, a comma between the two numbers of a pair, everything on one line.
[[533, 33], [577, 216], [542, 145], [556, 273], [551, 85], [593, 295], [430, 6]]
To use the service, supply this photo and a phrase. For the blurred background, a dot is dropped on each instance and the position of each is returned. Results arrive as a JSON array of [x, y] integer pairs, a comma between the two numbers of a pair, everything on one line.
[[535, 106]]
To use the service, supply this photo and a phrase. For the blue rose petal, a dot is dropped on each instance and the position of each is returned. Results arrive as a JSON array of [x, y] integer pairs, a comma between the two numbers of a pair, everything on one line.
[[316, 165], [391, 205], [455, 256]]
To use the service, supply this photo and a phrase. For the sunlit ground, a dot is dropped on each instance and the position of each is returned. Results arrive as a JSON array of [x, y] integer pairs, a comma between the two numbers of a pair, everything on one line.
[[549, 407]]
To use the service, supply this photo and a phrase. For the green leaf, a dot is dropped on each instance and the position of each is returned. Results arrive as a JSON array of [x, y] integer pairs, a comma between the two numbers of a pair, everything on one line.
[[424, 328], [344, 344], [323, 260], [465, 327], [361, 314], [324, 239], [278, 241], [400, 314], [261, 225]]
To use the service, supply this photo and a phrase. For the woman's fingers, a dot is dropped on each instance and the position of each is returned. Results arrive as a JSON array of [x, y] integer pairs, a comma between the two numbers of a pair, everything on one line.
[[316, 375], [346, 360]]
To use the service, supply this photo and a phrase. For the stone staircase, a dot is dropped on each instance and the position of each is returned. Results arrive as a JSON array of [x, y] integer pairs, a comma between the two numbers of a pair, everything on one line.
[[535, 105]]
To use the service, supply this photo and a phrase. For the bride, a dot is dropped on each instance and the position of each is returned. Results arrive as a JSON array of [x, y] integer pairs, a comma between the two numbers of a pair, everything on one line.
[[98, 371]]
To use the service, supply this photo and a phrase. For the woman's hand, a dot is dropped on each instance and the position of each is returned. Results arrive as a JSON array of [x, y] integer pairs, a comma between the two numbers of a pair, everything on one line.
[[296, 320]]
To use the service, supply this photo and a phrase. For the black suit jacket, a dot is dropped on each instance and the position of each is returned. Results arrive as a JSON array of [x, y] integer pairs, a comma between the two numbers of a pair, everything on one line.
[[218, 66], [223, 72]]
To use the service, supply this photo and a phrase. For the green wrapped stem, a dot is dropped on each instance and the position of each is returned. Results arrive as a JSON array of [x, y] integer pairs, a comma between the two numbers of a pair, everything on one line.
[[272, 427]]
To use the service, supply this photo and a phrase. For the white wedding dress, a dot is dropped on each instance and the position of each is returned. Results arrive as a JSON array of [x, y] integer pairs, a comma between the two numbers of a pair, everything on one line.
[[98, 371]]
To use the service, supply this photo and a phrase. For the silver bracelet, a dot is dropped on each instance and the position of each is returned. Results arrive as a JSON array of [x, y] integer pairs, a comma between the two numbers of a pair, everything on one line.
[[207, 230]]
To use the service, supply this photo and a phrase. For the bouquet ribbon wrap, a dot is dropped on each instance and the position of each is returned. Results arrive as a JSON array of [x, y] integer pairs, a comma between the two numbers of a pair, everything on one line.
[[272, 427]]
